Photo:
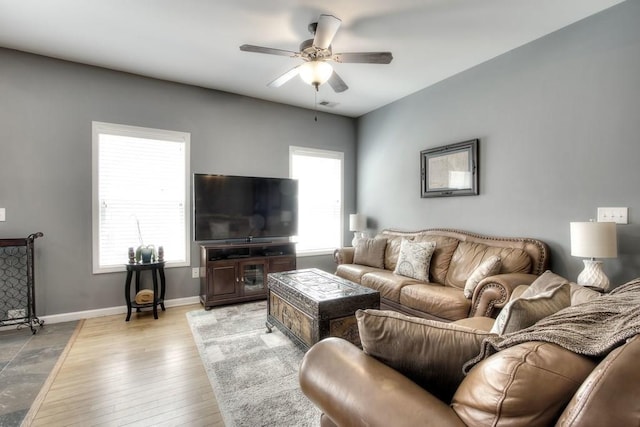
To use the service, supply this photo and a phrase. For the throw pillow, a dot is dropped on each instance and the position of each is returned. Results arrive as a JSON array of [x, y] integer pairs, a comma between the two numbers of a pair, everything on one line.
[[545, 282], [370, 252], [523, 312], [487, 268], [414, 259], [429, 352]]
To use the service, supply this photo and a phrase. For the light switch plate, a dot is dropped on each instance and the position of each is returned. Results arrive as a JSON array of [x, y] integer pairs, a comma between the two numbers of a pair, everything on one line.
[[3, 214], [195, 273], [617, 215]]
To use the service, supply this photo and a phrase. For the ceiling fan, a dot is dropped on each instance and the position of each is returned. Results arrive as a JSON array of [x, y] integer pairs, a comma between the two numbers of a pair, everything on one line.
[[316, 52]]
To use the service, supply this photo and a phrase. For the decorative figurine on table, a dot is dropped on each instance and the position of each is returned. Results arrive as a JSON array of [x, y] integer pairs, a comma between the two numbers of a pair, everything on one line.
[[144, 253], [132, 256], [160, 254]]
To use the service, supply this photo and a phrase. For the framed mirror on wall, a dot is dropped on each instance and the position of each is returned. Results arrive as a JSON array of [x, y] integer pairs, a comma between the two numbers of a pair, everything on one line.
[[450, 170]]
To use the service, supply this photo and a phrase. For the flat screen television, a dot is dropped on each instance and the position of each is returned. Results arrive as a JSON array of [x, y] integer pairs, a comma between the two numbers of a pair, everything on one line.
[[242, 207]]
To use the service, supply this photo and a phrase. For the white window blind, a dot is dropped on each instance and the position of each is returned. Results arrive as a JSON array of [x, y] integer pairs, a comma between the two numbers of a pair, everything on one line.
[[141, 194], [320, 193]]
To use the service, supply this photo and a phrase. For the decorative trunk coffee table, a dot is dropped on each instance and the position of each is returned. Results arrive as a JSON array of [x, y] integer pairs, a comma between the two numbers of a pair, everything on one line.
[[309, 305]]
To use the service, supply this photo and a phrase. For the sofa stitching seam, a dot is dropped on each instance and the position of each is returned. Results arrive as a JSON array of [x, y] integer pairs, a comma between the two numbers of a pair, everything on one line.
[[512, 376]]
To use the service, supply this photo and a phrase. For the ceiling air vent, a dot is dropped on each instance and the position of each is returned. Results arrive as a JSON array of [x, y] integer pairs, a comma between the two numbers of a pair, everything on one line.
[[328, 104]]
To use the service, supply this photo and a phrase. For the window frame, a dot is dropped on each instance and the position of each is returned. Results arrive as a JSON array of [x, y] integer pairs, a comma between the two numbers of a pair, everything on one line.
[[98, 128], [327, 154]]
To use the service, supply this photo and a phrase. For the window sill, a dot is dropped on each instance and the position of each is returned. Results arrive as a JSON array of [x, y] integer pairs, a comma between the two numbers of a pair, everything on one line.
[[315, 253]]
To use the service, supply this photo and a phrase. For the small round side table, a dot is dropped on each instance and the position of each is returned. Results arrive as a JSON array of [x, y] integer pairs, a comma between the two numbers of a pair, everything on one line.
[[156, 268]]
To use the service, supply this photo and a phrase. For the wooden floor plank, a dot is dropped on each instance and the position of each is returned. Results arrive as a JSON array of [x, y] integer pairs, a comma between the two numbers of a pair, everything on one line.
[[138, 373]]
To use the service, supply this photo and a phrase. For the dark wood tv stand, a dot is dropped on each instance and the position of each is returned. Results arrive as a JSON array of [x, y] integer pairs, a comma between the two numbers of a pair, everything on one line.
[[237, 272]]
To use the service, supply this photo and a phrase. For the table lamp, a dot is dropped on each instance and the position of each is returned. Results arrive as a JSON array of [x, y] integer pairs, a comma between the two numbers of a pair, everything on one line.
[[593, 240], [357, 224]]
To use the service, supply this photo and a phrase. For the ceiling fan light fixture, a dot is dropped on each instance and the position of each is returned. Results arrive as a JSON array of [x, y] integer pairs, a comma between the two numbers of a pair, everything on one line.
[[316, 53], [315, 73]]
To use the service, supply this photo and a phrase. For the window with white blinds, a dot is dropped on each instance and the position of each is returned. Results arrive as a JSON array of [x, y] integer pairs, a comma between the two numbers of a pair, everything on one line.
[[320, 193], [140, 194]]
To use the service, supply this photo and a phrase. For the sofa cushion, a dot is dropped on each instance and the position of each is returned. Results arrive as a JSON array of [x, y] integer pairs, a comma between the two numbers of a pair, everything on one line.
[[609, 395], [489, 267], [387, 283], [468, 256], [370, 252], [440, 301], [392, 251], [429, 352], [580, 294], [354, 272], [523, 312], [441, 258], [525, 385], [414, 259], [476, 322]]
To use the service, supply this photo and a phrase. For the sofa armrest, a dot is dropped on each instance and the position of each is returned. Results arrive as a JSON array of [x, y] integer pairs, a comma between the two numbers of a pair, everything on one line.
[[354, 389], [344, 255], [495, 291]]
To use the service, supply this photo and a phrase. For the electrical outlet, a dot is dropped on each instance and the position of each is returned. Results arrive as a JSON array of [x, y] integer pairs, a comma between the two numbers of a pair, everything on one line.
[[617, 215], [16, 314], [195, 273], [3, 214]]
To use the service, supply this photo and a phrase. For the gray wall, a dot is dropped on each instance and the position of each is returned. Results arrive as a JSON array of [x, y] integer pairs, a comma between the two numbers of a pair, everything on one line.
[[557, 119], [46, 110], [558, 122]]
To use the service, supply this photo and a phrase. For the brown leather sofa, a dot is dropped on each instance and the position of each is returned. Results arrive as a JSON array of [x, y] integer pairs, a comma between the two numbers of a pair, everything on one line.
[[457, 255], [414, 379], [380, 396]]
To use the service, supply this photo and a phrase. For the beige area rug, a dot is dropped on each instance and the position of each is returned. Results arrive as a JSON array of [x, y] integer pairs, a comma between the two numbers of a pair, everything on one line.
[[254, 374]]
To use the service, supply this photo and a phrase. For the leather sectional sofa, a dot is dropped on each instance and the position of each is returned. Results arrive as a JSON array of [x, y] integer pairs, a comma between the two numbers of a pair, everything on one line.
[[574, 367], [457, 255]]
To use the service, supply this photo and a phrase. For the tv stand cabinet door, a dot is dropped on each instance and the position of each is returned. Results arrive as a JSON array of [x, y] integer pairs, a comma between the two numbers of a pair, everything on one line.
[[222, 281], [253, 277]]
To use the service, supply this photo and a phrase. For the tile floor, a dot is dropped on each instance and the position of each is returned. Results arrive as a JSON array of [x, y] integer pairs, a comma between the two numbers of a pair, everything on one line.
[[25, 363]]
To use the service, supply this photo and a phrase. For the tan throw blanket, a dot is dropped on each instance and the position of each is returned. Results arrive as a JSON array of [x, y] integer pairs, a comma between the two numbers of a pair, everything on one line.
[[145, 296], [593, 328]]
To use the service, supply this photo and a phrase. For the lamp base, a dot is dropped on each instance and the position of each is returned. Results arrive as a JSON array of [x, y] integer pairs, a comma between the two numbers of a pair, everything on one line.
[[592, 275], [357, 235]]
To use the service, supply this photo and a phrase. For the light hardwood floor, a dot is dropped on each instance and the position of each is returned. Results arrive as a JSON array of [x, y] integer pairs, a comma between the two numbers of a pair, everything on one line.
[[144, 372]]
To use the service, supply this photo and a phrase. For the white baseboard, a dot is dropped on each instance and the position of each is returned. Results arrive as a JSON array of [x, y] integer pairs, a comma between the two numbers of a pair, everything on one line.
[[109, 311]]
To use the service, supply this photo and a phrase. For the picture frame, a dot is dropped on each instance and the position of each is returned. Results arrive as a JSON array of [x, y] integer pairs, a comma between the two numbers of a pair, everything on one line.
[[450, 170]]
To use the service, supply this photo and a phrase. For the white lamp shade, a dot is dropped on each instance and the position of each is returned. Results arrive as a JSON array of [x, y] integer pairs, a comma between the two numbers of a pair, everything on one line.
[[594, 239], [357, 222], [315, 72]]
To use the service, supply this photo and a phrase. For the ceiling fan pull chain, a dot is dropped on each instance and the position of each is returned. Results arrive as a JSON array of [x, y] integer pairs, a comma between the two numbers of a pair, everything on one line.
[[315, 103]]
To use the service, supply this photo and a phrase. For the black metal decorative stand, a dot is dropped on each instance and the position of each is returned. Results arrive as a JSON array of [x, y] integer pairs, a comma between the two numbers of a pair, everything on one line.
[[17, 283]]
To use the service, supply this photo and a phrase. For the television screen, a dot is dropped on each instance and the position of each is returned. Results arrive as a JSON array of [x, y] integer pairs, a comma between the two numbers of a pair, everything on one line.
[[240, 207]]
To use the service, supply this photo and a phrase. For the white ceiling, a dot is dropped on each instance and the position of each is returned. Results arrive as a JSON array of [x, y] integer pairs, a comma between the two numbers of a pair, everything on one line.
[[197, 41]]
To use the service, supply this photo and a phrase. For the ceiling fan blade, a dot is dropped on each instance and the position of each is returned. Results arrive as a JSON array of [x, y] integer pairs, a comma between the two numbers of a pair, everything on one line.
[[279, 81], [364, 57], [337, 83], [268, 50], [326, 30]]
